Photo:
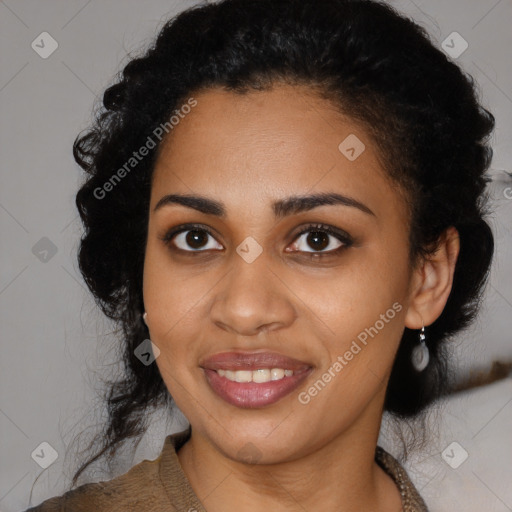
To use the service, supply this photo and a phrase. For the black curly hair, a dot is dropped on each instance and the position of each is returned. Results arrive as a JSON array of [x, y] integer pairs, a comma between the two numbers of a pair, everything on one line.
[[377, 67]]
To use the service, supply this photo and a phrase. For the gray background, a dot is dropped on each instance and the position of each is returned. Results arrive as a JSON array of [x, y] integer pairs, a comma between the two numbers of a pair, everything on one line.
[[56, 346]]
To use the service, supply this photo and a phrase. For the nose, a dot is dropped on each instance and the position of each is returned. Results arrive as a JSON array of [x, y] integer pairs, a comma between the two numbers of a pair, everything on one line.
[[253, 297]]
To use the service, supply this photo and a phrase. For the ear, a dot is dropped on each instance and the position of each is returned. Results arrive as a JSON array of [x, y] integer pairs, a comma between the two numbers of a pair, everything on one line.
[[431, 282]]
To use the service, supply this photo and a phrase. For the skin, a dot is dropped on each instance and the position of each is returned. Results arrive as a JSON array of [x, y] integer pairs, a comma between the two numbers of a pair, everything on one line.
[[247, 151]]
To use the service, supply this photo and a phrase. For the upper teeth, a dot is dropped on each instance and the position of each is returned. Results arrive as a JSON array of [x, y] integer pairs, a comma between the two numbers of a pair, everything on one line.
[[263, 375]]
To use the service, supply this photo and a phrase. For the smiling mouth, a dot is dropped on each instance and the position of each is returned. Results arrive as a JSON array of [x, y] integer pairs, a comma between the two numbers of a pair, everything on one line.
[[254, 380]]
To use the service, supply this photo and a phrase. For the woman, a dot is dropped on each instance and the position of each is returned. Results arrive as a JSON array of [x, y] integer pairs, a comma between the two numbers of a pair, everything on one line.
[[286, 198]]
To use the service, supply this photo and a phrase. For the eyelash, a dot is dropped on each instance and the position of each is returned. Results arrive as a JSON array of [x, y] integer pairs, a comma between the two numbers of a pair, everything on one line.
[[340, 235]]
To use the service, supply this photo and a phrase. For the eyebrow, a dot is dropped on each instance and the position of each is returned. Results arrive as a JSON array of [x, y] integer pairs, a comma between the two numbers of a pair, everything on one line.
[[282, 207]]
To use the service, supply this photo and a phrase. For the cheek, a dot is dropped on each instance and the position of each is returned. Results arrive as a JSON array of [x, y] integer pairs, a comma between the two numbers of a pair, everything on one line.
[[354, 296], [169, 300], [168, 297], [364, 315], [175, 298]]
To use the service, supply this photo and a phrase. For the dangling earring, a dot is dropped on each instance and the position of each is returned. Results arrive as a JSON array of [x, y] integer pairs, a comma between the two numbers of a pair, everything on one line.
[[145, 317], [420, 353]]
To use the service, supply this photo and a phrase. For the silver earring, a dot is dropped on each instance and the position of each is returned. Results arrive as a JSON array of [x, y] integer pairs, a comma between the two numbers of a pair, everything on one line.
[[145, 317], [420, 353]]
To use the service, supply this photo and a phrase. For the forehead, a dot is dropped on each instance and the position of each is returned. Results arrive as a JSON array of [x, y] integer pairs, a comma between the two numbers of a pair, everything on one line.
[[268, 144]]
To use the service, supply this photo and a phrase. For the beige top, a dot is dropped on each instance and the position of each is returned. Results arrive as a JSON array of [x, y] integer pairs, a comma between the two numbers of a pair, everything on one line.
[[160, 485]]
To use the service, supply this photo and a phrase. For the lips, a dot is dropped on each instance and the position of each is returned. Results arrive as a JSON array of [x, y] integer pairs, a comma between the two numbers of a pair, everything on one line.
[[252, 361], [253, 394]]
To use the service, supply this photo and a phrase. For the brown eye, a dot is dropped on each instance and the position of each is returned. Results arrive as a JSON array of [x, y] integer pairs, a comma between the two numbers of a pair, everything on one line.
[[191, 239], [319, 238], [196, 238]]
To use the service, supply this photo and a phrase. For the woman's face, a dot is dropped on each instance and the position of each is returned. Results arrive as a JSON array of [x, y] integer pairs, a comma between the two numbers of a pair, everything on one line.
[[256, 294]]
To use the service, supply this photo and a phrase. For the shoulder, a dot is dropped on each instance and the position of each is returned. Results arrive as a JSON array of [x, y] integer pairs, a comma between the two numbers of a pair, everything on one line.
[[139, 489], [411, 499]]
